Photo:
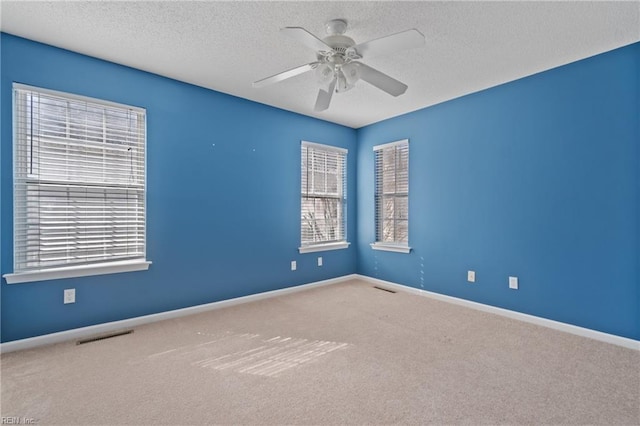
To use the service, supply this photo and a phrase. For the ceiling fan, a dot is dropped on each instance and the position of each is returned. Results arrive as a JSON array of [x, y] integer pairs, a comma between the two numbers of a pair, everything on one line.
[[337, 67]]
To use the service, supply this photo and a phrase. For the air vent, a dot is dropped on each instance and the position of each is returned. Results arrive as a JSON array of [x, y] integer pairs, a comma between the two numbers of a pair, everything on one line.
[[384, 289], [103, 337]]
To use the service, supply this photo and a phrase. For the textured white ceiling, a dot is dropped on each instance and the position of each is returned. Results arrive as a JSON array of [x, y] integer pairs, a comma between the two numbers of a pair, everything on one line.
[[226, 46]]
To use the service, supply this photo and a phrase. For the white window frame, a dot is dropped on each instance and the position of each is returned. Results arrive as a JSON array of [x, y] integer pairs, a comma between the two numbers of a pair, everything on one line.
[[394, 246], [22, 180], [341, 242]]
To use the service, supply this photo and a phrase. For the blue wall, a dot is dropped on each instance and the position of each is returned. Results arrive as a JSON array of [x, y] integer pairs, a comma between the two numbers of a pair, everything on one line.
[[223, 209], [537, 178]]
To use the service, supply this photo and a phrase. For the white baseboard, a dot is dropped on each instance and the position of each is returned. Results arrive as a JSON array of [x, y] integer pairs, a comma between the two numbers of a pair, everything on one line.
[[556, 325], [79, 333]]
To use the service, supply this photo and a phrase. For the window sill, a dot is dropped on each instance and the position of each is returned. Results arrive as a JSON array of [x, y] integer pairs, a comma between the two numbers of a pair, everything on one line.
[[78, 271], [324, 247], [391, 247]]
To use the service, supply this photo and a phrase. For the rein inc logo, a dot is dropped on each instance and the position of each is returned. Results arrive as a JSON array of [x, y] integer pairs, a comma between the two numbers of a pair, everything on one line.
[[16, 420]]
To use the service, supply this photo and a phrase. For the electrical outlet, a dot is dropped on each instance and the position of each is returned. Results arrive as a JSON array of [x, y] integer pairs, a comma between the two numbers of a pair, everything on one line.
[[294, 265], [69, 295], [320, 261], [513, 283], [471, 276]]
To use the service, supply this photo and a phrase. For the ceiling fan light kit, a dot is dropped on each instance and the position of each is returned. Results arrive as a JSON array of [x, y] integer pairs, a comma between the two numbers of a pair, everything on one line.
[[337, 67], [324, 73]]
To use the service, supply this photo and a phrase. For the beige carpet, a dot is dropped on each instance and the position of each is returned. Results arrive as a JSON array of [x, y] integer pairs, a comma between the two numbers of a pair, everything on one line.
[[341, 354]]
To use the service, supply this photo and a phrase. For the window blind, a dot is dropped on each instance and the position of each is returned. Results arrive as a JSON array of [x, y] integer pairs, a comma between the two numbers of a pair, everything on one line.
[[79, 180], [323, 194], [392, 192]]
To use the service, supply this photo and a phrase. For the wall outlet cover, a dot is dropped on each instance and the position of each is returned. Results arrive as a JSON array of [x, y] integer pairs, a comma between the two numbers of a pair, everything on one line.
[[294, 265], [513, 283], [69, 295], [471, 276]]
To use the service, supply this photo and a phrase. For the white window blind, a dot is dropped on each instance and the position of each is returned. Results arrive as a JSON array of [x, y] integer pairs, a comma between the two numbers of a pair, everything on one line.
[[392, 193], [79, 180], [324, 194]]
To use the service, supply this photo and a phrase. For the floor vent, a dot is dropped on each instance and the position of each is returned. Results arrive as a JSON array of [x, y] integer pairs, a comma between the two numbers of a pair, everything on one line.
[[103, 337], [384, 289]]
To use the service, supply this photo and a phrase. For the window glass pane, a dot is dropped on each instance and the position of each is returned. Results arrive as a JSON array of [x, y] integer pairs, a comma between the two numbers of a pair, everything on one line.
[[94, 118], [333, 163], [402, 169], [118, 126], [51, 115], [402, 231], [388, 231], [77, 120], [388, 206], [320, 219], [319, 183], [401, 208], [332, 184], [388, 171]]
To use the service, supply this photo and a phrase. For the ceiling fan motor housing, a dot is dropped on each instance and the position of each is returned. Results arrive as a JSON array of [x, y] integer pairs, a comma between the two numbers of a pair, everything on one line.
[[339, 45]]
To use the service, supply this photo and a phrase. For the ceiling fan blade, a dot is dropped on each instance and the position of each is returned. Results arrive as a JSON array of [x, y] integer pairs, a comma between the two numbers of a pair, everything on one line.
[[380, 80], [306, 38], [285, 74], [400, 41], [324, 97]]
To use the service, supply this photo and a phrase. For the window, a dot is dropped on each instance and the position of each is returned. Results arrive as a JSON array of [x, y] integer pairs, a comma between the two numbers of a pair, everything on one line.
[[324, 198], [392, 196], [79, 186]]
